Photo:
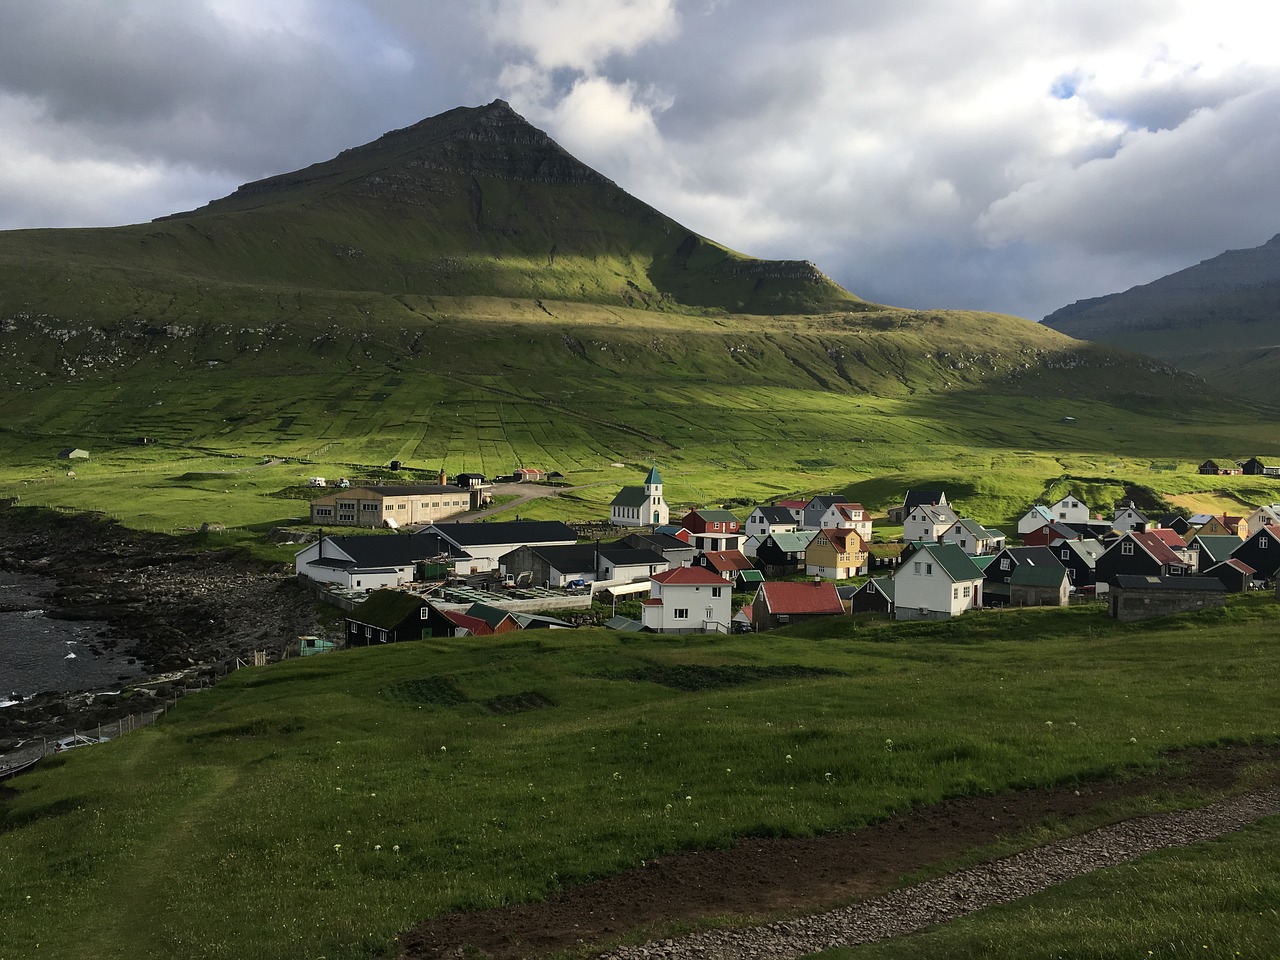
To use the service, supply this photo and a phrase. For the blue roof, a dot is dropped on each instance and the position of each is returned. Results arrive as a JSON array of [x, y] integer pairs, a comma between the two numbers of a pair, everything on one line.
[[653, 477]]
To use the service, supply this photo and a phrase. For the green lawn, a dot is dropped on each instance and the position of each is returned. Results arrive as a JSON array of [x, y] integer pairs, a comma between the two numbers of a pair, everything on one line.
[[316, 807]]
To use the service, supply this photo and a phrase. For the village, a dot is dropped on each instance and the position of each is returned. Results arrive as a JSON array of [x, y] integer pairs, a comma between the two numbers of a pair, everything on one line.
[[708, 571]]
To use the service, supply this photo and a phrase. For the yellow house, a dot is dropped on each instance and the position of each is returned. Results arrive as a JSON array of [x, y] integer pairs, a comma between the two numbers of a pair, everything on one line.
[[392, 506], [836, 554]]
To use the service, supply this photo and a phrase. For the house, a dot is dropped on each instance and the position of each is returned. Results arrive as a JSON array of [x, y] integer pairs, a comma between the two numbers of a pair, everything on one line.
[[884, 557], [742, 620], [973, 538], [795, 508], [553, 565], [73, 453], [1216, 526], [392, 506], [486, 543], [498, 621], [927, 522], [937, 581], [1177, 523], [528, 475], [1034, 519], [1223, 467], [371, 562], [1262, 552], [1236, 575], [847, 516], [1079, 555], [1129, 518], [687, 600], [386, 616], [1187, 553], [1039, 586], [1047, 534], [783, 554], [1213, 550], [763, 521], [470, 480], [641, 506], [836, 554], [1000, 568], [726, 564], [817, 508], [1256, 467], [913, 499], [1140, 553], [782, 603], [1143, 597], [1070, 509], [677, 552], [1267, 515], [713, 529], [873, 597], [618, 562]]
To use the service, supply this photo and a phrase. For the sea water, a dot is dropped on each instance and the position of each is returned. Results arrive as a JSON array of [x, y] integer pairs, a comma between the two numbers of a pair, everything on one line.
[[39, 653]]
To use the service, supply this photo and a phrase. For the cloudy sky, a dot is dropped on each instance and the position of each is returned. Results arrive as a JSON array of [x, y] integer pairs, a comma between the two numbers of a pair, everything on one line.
[[1008, 155]]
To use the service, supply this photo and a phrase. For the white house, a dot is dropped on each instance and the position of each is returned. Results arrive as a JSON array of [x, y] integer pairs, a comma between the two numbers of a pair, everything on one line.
[[1070, 510], [847, 516], [688, 600], [487, 543], [927, 522], [370, 562], [937, 581], [641, 506], [1130, 518], [973, 538], [1265, 516], [764, 521], [1034, 519]]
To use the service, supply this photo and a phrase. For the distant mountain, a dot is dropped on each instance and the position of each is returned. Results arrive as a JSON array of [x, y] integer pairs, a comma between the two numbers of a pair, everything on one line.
[[1219, 319]]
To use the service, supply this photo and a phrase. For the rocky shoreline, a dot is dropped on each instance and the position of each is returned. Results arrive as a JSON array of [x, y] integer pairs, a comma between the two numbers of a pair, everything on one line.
[[182, 607]]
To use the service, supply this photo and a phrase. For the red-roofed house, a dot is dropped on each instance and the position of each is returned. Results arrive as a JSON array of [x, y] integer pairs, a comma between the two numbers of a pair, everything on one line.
[[836, 554], [687, 600], [727, 563], [783, 602], [1140, 553]]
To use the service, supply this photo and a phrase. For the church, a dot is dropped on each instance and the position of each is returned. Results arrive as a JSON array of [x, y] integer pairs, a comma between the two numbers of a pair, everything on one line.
[[640, 506]]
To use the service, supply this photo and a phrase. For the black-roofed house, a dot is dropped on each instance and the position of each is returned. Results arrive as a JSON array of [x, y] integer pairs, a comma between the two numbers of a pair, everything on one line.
[[1261, 552], [873, 597], [387, 616], [1236, 575], [677, 552], [913, 499], [1135, 597], [550, 566], [372, 561], [764, 520], [487, 542], [392, 506], [620, 562]]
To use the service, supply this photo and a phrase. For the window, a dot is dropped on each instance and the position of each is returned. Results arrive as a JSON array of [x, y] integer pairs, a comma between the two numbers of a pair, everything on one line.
[[955, 593], [681, 613], [1004, 564], [1066, 553], [928, 569], [916, 567], [1262, 543], [715, 591], [1126, 548], [967, 590]]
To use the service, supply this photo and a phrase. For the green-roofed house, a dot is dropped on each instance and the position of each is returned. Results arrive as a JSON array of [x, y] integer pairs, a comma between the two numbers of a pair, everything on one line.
[[936, 582], [387, 616], [1039, 585], [641, 506]]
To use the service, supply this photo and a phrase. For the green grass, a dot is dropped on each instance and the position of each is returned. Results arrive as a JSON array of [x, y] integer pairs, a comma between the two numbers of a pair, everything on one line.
[[1219, 899], [276, 801]]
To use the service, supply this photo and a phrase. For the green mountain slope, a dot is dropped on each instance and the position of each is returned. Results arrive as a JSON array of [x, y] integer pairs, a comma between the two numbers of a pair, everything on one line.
[[1219, 318]]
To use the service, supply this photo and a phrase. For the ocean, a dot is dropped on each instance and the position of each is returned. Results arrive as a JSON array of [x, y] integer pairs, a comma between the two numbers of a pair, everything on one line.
[[39, 653]]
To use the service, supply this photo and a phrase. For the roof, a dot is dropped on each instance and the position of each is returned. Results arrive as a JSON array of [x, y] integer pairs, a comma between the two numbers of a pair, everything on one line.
[[801, 598], [387, 608], [915, 498], [1041, 509], [957, 564], [793, 542], [751, 576], [490, 615], [937, 512], [1154, 546], [654, 478], [630, 497], [474, 625], [688, 577], [375, 550], [1086, 548], [826, 500], [1030, 575], [715, 516], [1237, 565], [566, 558], [1170, 537], [838, 538], [659, 542], [624, 624], [1217, 547], [406, 490], [882, 585], [632, 556], [775, 514], [727, 560], [1127, 581], [500, 533], [792, 504]]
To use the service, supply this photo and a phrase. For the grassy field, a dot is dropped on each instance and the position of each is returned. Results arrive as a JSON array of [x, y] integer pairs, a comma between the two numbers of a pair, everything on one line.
[[316, 807]]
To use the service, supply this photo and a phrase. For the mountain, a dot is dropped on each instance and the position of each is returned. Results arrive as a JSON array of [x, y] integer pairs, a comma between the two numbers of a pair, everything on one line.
[[463, 291], [1219, 319]]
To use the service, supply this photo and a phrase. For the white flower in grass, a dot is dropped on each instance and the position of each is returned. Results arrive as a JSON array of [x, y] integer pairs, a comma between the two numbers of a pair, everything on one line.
[[337, 848], [395, 848], [377, 847]]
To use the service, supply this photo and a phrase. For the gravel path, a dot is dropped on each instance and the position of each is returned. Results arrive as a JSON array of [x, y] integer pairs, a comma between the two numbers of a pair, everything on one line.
[[967, 891]]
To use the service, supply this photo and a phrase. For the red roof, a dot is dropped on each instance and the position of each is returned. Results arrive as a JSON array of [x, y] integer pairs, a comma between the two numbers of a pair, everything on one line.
[[477, 626], [801, 598], [792, 504], [1156, 546], [1170, 537], [727, 561], [652, 602], [689, 576]]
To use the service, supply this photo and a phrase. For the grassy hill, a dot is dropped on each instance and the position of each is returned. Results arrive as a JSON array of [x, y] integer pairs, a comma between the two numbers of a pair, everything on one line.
[[1219, 319], [317, 807]]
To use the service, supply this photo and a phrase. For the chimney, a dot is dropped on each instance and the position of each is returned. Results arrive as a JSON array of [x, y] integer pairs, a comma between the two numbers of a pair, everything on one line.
[[443, 479]]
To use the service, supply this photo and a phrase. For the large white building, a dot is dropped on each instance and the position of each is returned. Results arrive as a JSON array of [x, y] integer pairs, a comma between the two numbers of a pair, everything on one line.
[[688, 600], [937, 581]]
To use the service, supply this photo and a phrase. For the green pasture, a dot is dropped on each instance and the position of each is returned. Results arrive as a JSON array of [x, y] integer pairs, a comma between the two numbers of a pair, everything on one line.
[[317, 807]]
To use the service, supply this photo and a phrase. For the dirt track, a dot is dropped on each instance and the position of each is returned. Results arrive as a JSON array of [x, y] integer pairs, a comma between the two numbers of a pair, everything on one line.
[[798, 877]]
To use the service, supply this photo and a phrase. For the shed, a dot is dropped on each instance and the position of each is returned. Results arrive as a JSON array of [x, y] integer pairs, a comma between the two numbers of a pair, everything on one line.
[[73, 453], [1136, 597], [1039, 586]]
